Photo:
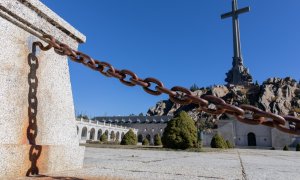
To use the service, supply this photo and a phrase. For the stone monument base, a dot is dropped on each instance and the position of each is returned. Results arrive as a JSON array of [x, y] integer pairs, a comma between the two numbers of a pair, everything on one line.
[[15, 162]]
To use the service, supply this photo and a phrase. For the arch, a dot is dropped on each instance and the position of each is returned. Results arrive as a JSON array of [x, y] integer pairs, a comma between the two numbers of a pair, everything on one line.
[[251, 139], [99, 133], [92, 134], [148, 136], [106, 132], [122, 135], [140, 138], [84, 133], [112, 135], [118, 136]]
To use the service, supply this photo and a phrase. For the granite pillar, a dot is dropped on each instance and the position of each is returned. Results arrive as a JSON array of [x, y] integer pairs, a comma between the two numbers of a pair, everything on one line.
[[21, 23]]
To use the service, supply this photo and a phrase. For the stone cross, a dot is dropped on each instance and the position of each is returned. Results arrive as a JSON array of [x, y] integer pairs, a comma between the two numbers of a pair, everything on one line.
[[238, 75], [237, 59]]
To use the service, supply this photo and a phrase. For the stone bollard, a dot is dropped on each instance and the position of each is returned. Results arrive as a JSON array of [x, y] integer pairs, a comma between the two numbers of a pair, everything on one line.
[[56, 145]]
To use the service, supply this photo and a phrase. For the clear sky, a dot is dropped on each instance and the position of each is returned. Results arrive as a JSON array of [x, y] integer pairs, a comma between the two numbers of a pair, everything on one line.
[[181, 42]]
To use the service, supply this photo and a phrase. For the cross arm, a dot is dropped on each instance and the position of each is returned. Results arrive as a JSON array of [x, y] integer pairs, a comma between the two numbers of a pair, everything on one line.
[[243, 10], [237, 12], [226, 15]]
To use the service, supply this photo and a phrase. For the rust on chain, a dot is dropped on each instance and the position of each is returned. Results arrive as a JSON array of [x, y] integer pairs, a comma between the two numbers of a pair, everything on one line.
[[180, 96], [177, 94], [217, 102]]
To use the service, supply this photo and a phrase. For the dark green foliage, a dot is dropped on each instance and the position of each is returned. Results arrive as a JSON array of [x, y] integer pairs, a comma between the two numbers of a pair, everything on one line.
[[285, 148], [218, 142], [145, 142], [298, 147], [157, 140], [180, 133], [194, 87], [229, 145], [245, 101], [82, 116], [103, 138], [129, 138]]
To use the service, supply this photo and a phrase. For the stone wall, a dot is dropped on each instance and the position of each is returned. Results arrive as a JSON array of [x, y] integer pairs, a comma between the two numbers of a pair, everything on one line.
[[22, 23]]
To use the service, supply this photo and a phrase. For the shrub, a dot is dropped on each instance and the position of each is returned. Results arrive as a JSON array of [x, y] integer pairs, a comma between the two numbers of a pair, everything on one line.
[[129, 138], [285, 148], [145, 142], [218, 142], [298, 147], [103, 138], [272, 148], [228, 144], [157, 140], [180, 133]]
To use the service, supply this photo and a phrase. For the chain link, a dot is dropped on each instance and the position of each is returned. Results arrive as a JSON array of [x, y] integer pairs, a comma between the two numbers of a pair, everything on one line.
[[32, 129], [207, 103]]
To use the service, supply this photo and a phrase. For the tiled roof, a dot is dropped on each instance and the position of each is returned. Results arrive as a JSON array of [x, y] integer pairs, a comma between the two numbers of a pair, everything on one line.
[[134, 119]]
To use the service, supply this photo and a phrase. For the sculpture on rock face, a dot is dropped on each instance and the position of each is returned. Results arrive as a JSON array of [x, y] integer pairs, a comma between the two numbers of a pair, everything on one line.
[[238, 74]]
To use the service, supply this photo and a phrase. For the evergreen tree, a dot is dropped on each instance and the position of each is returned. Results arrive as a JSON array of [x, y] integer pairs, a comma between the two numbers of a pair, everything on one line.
[[194, 87], [129, 138], [157, 140], [218, 142], [145, 142], [103, 138], [180, 133]]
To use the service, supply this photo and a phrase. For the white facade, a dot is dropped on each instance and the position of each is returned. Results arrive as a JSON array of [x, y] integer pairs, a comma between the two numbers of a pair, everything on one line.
[[241, 134], [92, 130]]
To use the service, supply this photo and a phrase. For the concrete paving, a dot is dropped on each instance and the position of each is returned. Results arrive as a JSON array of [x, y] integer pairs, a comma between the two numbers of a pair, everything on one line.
[[104, 163]]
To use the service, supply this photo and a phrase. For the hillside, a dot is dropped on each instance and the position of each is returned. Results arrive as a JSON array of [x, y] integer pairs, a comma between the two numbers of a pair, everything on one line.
[[276, 95]]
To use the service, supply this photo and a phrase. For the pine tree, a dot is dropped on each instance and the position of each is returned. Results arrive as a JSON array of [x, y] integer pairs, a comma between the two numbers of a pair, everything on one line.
[[180, 133], [157, 140], [129, 138]]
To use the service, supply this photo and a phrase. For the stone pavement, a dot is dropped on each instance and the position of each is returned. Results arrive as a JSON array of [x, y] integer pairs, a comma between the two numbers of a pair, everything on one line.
[[150, 164]]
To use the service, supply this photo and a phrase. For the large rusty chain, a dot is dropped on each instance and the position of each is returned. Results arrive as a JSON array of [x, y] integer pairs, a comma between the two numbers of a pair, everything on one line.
[[177, 94], [32, 129]]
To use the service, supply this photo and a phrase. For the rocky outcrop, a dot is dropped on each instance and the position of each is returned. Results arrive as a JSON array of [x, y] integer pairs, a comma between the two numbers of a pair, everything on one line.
[[276, 95]]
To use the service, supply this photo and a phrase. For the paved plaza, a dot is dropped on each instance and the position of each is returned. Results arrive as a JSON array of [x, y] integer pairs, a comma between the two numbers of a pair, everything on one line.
[[153, 164]]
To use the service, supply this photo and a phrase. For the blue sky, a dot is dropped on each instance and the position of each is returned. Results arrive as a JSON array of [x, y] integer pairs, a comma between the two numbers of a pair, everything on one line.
[[178, 41]]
